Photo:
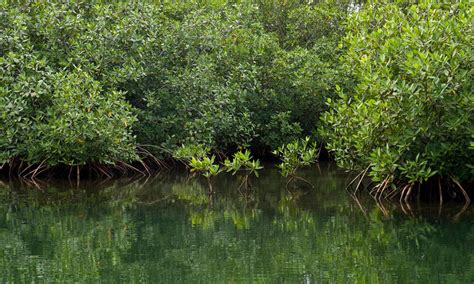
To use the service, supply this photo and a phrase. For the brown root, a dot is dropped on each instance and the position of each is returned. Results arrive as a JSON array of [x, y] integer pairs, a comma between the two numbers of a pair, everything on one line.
[[355, 179], [466, 196], [407, 195], [132, 168]]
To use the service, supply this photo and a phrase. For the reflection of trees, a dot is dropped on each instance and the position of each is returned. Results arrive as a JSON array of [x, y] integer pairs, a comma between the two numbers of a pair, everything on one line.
[[168, 229], [59, 243]]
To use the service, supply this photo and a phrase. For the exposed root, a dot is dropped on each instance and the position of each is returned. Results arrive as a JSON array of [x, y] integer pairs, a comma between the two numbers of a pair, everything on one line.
[[37, 169], [103, 171], [361, 179], [25, 169], [407, 195], [40, 172], [357, 176], [33, 172], [405, 191], [380, 190], [210, 188], [466, 196], [132, 168], [148, 154], [148, 171]]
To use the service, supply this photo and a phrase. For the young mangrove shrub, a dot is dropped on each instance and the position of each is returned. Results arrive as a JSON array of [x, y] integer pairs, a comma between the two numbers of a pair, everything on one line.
[[297, 154], [409, 118], [207, 167], [198, 160], [242, 161]]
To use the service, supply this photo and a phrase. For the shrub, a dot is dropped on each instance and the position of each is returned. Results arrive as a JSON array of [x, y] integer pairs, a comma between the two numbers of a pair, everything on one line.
[[243, 161], [219, 75], [199, 160], [410, 115], [234, 84], [82, 124], [215, 60], [297, 154], [58, 105], [70, 121]]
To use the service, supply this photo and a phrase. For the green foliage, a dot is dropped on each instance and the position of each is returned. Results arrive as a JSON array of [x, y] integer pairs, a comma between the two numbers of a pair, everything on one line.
[[297, 154], [243, 161], [410, 115], [217, 74], [233, 83], [82, 124], [197, 158], [206, 166], [57, 104], [186, 152], [304, 23], [62, 118]]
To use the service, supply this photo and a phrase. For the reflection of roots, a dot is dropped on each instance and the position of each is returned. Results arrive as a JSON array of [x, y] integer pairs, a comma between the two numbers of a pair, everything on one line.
[[406, 206], [296, 178], [389, 189], [245, 184]]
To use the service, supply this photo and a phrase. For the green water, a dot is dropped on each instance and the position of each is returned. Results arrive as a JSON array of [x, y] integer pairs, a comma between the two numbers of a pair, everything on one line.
[[166, 230]]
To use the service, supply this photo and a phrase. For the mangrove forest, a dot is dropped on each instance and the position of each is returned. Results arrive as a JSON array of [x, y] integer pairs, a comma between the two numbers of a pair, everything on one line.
[[218, 141]]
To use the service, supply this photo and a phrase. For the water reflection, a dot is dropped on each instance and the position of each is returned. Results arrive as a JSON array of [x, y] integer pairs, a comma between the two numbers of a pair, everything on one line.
[[169, 230]]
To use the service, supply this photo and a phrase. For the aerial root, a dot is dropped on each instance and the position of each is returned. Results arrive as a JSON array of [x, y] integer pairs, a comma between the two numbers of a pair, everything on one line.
[[404, 192], [32, 173], [148, 171], [103, 171], [25, 169], [384, 187], [407, 195], [463, 191], [126, 165], [361, 175], [361, 179], [148, 154]]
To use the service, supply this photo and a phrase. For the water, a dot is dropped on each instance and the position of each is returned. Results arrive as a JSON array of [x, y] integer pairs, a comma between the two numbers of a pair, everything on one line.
[[168, 230]]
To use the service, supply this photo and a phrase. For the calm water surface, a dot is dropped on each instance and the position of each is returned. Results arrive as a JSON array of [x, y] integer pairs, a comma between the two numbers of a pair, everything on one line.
[[168, 230]]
